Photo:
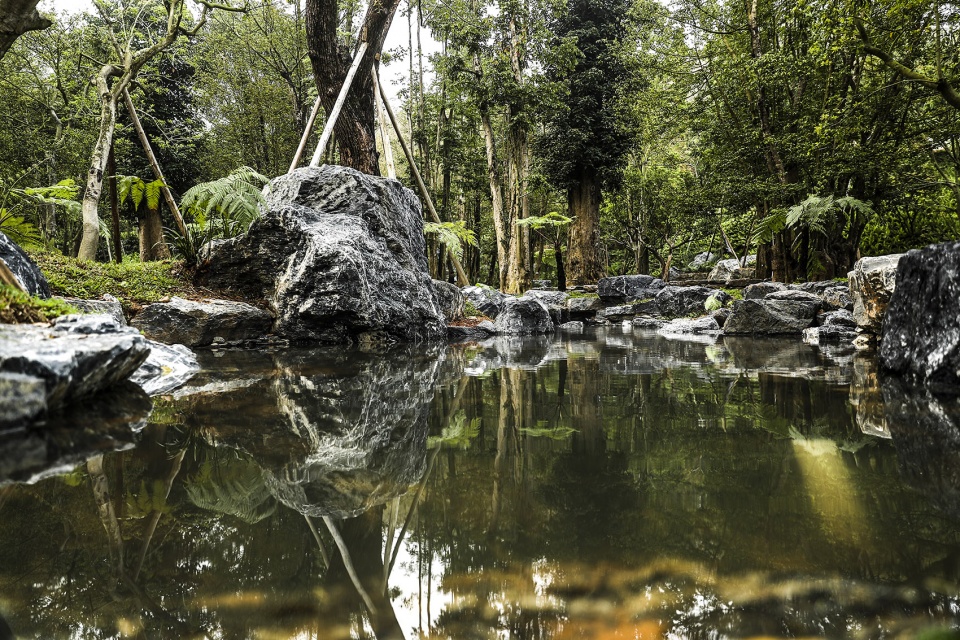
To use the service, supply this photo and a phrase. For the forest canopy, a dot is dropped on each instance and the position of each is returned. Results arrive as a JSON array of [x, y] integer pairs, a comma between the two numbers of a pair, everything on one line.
[[559, 139]]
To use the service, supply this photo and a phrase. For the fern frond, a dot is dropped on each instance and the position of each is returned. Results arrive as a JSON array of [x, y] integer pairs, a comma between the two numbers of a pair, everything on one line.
[[452, 235]]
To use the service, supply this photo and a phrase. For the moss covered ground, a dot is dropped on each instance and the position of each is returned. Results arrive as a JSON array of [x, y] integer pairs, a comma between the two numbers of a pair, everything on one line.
[[17, 307]]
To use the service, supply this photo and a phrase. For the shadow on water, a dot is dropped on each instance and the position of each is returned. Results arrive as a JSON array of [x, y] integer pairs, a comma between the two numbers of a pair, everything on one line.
[[616, 485]]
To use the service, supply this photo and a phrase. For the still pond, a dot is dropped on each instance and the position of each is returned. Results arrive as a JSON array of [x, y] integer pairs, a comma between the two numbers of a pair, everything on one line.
[[613, 485]]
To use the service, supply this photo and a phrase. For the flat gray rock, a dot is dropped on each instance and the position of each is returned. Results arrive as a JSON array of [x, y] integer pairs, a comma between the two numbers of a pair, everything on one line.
[[770, 317], [198, 324], [628, 288]]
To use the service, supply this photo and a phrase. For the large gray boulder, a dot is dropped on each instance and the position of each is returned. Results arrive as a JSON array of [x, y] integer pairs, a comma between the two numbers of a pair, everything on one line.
[[78, 357], [701, 260], [487, 300], [770, 317], [523, 316], [167, 367], [449, 298], [628, 288], [23, 268], [872, 282], [547, 297], [197, 324], [675, 302], [921, 327], [339, 256]]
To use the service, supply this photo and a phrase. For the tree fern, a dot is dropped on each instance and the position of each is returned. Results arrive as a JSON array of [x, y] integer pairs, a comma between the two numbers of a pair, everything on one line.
[[552, 219], [230, 203], [452, 235], [136, 190], [814, 214]]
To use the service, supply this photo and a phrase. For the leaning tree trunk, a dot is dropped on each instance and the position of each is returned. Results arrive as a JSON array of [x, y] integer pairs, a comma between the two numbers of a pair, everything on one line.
[[98, 165], [583, 255], [355, 128]]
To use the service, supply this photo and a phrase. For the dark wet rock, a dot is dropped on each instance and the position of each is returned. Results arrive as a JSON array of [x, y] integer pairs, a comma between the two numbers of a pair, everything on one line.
[[921, 328], [166, 368], [22, 399], [628, 288], [817, 287], [488, 301], [23, 268], [797, 296], [675, 302], [731, 269], [627, 311], [706, 324], [523, 316], [702, 259], [480, 331], [721, 315], [78, 357], [339, 256], [770, 317], [646, 322], [573, 326], [872, 282], [108, 305], [449, 298], [829, 334], [761, 290], [540, 284], [583, 308], [839, 318], [837, 297], [926, 433], [198, 324]]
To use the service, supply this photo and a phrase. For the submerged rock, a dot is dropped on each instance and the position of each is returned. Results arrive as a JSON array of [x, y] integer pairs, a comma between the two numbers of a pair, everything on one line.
[[478, 331], [872, 282], [22, 399], [339, 256], [23, 268], [921, 328], [522, 316], [197, 324], [628, 288], [770, 317]]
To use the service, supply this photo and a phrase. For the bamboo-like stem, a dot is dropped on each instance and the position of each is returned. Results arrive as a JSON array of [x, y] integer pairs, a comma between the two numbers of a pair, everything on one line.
[[306, 135], [461, 276], [338, 105]]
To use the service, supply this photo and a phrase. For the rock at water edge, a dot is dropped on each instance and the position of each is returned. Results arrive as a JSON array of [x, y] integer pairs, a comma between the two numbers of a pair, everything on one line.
[[23, 268], [197, 324], [872, 282]]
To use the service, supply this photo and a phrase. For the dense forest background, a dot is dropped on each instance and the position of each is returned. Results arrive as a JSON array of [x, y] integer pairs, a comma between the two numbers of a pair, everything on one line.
[[560, 139]]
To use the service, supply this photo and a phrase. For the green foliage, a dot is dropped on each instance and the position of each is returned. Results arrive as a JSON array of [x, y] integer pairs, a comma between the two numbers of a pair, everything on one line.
[[18, 307], [452, 235], [137, 191], [712, 303], [229, 204], [552, 219], [470, 310], [582, 294], [559, 432], [131, 281]]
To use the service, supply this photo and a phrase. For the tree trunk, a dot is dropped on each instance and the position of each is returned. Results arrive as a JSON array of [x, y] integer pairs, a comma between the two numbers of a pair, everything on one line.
[[355, 128], [501, 227], [114, 208], [583, 259], [98, 164], [152, 246], [561, 274]]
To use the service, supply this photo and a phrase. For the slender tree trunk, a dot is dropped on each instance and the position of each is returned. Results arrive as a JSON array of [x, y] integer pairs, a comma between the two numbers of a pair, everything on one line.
[[152, 245], [98, 165], [583, 259], [114, 207], [501, 227], [561, 273]]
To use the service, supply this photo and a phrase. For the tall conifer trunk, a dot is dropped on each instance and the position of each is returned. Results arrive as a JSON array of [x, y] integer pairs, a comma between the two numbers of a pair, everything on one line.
[[583, 254]]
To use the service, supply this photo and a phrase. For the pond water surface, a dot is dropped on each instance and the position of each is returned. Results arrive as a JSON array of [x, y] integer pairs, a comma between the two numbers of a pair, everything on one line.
[[615, 485]]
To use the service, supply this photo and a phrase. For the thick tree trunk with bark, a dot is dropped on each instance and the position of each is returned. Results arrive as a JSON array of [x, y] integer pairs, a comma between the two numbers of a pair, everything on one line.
[[583, 254], [501, 225], [16, 18], [152, 245], [355, 128]]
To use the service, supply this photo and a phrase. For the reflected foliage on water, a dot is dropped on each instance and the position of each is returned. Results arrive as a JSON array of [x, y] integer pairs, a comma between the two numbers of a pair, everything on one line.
[[615, 486]]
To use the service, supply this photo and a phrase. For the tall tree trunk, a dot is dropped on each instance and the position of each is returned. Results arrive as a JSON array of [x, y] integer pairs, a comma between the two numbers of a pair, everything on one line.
[[98, 165], [583, 255], [114, 208], [355, 128], [152, 246], [501, 226], [561, 273]]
